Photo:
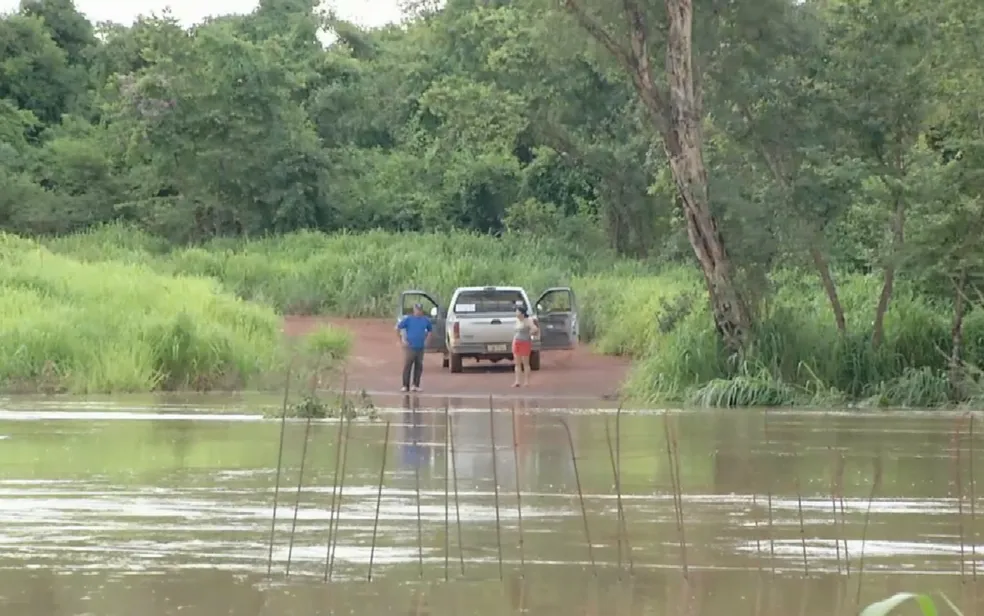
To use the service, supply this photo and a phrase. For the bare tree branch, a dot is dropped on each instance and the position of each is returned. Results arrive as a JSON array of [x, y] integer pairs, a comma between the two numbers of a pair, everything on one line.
[[635, 59], [643, 74], [598, 32]]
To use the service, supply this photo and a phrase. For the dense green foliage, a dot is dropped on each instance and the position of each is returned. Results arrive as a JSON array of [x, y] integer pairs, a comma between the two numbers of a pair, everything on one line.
[[655, 315], [825, 169], [109, 327]]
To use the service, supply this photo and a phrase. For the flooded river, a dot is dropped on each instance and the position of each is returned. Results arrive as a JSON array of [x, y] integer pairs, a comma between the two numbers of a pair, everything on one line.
[[163, 510]]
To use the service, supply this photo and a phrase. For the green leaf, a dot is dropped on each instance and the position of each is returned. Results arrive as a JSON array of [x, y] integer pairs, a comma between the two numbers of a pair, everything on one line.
[[887, 606]]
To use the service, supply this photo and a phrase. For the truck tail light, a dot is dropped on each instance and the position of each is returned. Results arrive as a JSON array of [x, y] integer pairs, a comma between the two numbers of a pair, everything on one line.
[[456, 330]]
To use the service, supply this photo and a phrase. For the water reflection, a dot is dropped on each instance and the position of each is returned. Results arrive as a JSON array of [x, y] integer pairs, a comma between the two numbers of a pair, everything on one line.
[[179, 435], [416, 449]]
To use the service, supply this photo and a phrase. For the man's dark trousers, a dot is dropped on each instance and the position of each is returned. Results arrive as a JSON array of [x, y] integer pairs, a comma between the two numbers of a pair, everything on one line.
[[413, 362]]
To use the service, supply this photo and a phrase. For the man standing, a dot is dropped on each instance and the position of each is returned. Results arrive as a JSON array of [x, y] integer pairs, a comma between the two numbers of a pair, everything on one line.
[[414, 331]]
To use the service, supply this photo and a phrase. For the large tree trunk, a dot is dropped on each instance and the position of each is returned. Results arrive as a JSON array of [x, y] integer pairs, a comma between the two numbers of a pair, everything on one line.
[[687, 166], [683, 141], [677, 116]]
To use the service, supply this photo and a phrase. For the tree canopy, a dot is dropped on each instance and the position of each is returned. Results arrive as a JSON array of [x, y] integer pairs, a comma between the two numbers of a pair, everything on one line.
[[836, 135]]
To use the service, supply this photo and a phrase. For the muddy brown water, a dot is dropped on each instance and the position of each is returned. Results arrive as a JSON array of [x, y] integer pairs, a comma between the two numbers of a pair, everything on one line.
[[115, 509]]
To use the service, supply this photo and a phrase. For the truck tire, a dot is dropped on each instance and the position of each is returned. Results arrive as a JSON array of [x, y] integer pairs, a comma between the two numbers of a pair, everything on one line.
[[535, 360], [455, 363], [445, 362]]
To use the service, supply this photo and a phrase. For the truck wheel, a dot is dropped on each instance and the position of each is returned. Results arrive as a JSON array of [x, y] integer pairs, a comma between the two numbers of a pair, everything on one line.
[[535, 360], [455, 363], [445, 362]]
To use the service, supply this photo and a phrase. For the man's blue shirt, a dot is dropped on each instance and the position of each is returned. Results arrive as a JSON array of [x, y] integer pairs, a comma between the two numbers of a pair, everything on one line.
[[416, 329]]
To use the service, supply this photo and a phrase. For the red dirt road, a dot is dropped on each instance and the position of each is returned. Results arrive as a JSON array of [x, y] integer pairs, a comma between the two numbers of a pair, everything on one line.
[[569, 378]]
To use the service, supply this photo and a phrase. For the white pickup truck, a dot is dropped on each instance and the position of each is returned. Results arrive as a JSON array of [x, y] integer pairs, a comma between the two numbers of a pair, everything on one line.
[[477, 323]]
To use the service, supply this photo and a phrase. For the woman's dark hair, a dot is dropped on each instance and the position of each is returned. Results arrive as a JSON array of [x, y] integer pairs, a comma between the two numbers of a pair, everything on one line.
[[522, 310]]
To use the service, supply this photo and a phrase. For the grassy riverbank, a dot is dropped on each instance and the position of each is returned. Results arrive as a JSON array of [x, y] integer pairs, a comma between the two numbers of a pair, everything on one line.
[[657, 316], [77, 327]]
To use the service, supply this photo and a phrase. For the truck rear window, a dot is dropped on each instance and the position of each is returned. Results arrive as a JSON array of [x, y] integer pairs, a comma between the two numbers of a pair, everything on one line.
[[498, 300]]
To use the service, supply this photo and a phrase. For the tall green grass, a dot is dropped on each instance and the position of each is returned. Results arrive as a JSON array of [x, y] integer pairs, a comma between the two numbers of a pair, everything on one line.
[[798, 356], [69, 326], [351, 275], [656, 315]]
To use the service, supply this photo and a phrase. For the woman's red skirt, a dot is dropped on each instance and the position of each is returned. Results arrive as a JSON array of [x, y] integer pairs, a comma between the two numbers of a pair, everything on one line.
[[522, 348]]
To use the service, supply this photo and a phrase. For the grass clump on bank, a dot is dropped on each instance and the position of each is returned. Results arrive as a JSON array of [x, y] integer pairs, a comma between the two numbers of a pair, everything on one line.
[[657, 316], [331, 405], [75, 327], [799, 357]]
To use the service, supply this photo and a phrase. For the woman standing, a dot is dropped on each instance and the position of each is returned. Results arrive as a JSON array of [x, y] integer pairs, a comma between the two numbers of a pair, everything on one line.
[[522, 345]]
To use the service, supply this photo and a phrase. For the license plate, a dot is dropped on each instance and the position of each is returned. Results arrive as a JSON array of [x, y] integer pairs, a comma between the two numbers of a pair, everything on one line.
[[497, 348]]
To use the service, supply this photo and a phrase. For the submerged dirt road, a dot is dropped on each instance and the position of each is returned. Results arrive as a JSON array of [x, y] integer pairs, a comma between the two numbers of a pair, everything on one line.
[[571, 378]]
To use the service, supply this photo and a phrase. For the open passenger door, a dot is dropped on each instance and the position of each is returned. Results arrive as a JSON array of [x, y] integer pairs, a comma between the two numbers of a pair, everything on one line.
[[433, 309], [556, 310]]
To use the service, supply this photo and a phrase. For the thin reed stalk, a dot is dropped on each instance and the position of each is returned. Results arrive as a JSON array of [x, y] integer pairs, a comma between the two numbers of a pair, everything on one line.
[[618, 487], [454, 478], [341, 491], [379, 500], [875, 484], [958, 485], [580, 497], [758, 532], [756, 523], [517, 592], [673, 458], [618, 522], [416, 487], [614, 455], [297, 502], [335, 478], [334, 493], [841, 469], [971, 450], [519, 494], [683, 526], [802, 525], [833, 506], [280, 463], [495, 482], [300, 474], [771, 512]]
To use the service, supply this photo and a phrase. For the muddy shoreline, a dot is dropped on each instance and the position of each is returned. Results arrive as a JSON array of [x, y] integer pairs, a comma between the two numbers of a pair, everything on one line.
[[575, 378]]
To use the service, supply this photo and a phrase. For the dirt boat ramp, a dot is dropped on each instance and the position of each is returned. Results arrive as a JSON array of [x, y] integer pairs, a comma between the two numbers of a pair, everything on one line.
[[580, 378]]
